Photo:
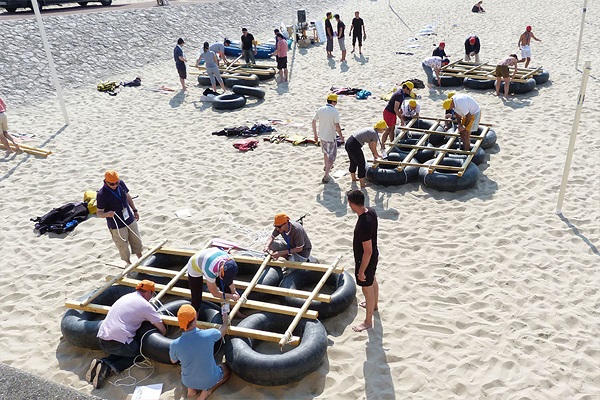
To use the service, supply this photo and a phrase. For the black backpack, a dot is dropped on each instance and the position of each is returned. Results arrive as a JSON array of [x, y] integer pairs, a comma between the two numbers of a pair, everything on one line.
[[62, 219]]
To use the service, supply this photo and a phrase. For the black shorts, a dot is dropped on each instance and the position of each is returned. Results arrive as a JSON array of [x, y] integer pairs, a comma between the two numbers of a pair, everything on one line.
[[281, 62], [182, 72], [369, 274]]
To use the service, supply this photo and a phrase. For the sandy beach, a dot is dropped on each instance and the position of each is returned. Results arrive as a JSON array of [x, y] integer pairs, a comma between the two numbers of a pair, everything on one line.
[[485, 293]]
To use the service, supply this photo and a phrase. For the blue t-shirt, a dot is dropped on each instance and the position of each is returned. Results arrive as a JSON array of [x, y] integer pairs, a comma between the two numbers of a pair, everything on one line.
[[178, 52], [194, 350], [115, 200]]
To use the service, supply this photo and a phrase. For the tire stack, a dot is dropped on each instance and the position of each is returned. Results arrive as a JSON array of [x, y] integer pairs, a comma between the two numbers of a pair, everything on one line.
[[242, 87]]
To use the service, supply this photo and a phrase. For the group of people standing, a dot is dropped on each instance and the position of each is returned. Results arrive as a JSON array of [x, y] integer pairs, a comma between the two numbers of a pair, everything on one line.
[[357, 31], [433, 65]]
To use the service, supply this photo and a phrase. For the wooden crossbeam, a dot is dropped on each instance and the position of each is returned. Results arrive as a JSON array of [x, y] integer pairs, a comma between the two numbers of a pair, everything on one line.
[[252, 304], [484, 71], [168, 320], [252, 260], [300, 294]]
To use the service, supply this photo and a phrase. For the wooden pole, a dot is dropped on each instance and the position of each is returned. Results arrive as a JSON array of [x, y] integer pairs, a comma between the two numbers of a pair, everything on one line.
[[581, 33], [253, 260], [290, 329], [580, 99], [168, 320], [120, 275], [234, 61], [252, 304], [176, 278], [275, 290], [29, 150], [251, 285]]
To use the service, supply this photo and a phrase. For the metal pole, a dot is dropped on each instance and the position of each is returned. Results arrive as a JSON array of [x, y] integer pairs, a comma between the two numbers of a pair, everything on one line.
[[581, 32], [580, 100], [38, 17]]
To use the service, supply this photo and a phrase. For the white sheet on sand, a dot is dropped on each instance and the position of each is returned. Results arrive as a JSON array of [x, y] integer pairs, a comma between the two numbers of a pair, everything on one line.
[[339, 173], [149, 392], [183, 213]]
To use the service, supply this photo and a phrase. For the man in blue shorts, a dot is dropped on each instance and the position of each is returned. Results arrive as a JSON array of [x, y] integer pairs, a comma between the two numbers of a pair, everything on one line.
[[194, 350]]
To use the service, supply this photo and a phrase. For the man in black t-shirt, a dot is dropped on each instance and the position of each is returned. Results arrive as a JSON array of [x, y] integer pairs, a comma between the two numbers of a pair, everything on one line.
[[341, 35], [248, 46], [366, 255], [329, 34], [357, 30]]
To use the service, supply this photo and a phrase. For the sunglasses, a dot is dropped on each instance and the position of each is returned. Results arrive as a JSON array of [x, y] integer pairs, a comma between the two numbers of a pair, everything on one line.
[[115, 184], [279, 226]]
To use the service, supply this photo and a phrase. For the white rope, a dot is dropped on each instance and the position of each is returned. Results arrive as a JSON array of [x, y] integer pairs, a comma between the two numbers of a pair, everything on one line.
[[253, 238], [146, 363], [126, 226]]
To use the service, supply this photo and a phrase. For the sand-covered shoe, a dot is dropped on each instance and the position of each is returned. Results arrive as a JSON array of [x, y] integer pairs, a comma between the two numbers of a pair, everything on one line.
[[91, 372]]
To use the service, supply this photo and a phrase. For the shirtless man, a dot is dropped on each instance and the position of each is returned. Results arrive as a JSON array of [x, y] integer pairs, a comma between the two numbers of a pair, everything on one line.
[[524, 45]]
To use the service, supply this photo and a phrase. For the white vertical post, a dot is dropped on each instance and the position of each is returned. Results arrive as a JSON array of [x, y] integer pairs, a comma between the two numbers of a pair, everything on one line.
[[580, 100], [581, 32], [38, 16]]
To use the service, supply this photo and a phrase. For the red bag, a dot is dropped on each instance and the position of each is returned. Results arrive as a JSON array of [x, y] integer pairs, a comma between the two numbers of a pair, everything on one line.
[[245, 144]]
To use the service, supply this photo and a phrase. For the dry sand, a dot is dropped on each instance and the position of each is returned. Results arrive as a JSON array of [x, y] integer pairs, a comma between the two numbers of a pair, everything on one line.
[[485, 293]]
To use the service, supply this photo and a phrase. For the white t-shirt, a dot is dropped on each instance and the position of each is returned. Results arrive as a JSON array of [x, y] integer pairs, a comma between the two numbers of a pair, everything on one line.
[[433, 62], [206, 263], [125, 317], [327, 116], [464, 105], [409, 112]]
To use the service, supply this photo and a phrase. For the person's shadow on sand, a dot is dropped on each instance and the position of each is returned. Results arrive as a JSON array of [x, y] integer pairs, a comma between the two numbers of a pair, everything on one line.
[[333, 199], [178, 99], [383, 386], [361, 59]]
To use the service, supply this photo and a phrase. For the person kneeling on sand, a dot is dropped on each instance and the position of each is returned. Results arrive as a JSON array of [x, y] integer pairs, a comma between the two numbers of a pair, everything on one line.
[[117, 332], [194, 350], [354, 146], [366, 255], [503, 73], [4, 135], [295, 245]]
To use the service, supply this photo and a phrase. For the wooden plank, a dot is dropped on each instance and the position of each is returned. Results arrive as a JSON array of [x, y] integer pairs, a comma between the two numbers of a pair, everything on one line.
[[29, 150], [168, 320], [121, 274], [252, 304], [253, 260], [244, 297], [300, 294], [442, 120], [288, 333], [530, 74]]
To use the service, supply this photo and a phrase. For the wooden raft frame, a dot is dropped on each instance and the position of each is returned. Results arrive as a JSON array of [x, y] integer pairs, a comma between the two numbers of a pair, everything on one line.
[[169, 288], [484, 71], [444, 149]]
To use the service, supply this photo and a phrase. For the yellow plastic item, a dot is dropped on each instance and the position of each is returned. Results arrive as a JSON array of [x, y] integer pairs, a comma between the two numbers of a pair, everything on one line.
[[89, 196]]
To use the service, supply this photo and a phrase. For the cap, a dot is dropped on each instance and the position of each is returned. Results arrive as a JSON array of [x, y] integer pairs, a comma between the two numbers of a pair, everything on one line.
[[111, 176], [450, 94], [447, 104], [412, 103], [332, 97], [409, 85], [230, 270], [244, 30], [442, 44], [472, 40], [528, 28], [185, 315], [446, 61], [281, 219], [180, 41], [381, 124], [206, 45], [145, 285]]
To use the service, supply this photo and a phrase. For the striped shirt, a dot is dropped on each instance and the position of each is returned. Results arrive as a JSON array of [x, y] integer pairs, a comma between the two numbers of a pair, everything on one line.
[[206, 263]]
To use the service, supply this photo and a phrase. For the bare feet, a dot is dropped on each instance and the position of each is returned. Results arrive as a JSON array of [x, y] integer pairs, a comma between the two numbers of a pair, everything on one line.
[[191, 393], [361, 327], [363, 304]]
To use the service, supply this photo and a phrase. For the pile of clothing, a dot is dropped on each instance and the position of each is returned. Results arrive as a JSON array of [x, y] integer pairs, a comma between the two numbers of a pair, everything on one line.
[[245, 131]]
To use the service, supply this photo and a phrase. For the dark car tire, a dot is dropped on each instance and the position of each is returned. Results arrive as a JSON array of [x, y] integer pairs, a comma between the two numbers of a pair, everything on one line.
[[542, 78], [106, 3], [253, 82], [449, 181], [249, 91], [449, 81], [479, 84], [520, 87], [228, 102], [82, 3], [11, 10]]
